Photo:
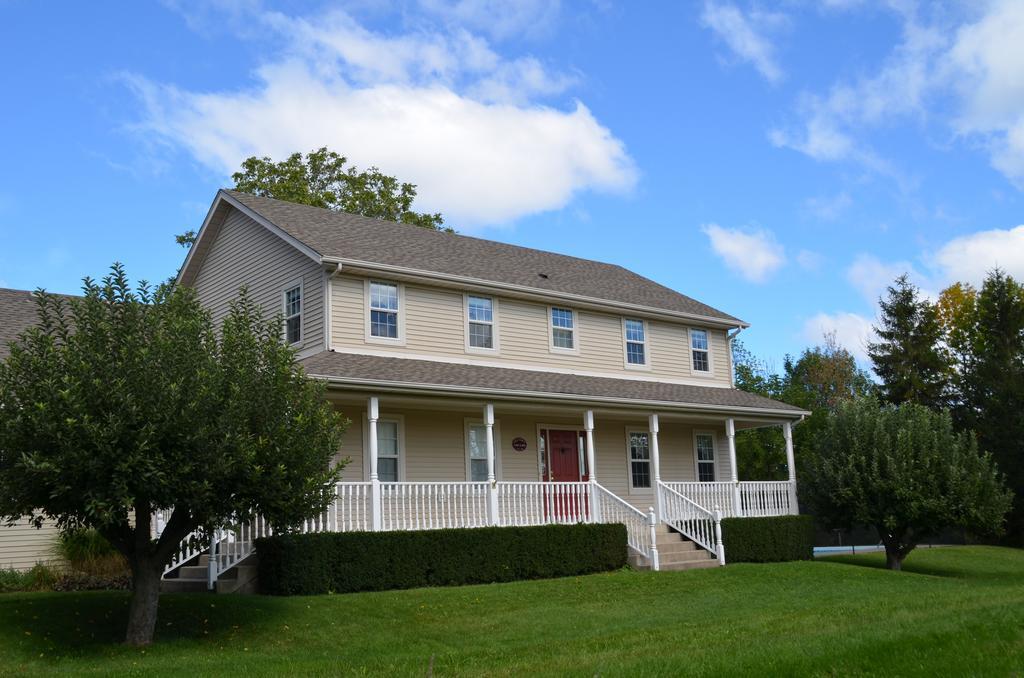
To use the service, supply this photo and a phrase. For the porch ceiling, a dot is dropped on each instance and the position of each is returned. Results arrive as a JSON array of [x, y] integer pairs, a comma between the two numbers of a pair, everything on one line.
[[376, 373]]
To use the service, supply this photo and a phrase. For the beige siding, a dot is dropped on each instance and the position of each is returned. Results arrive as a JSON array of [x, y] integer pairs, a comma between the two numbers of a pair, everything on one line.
[[22, 546], [246, 254], [435, 326]]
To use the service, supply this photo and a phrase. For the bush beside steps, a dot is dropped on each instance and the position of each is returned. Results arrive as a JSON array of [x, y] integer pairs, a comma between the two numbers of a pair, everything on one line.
[[768, 540], [303, 564]]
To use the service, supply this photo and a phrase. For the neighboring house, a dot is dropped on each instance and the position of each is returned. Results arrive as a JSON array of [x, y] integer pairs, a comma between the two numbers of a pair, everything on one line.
[[21, 545], [490, 384]]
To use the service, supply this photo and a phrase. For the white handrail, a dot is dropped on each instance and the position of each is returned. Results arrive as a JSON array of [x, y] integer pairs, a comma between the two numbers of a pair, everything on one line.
[[639, 529], [765, 498], [692, 520], [544, 503]]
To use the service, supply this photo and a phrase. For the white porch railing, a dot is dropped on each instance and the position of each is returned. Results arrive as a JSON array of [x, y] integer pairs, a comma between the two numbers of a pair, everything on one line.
[[686, 506], [757, 499], [538, 503], [761, 499], [431, 506], [697, 523], [640, 526]]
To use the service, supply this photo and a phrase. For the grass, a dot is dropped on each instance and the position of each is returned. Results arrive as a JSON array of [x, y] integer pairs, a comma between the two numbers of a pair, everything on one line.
[[954, 611]]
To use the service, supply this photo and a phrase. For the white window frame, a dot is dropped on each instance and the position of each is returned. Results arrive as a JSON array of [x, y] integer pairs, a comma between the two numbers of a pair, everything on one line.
[[646, 364], [284, 311], [368, 312], [714, 454], [402, 450], [633, 489], [469, 423], [575, 350], [689, 346], [496, 345]]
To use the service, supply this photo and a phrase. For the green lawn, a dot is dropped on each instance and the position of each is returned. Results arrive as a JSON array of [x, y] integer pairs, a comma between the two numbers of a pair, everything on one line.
[[955, 611]]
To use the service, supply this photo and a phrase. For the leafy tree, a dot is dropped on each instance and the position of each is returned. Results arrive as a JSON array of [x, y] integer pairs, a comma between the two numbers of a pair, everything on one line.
[[322, 178], [125, 402], [956, 311], [904, 471], [909, 357], [993, 382], [819, 380]]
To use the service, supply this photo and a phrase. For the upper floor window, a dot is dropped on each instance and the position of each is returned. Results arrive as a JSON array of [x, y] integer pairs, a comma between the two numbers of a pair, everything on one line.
[[480, 316], [384, 310], [699, 350], [636, 342], [293, 314], [563, 329], [704, 443]]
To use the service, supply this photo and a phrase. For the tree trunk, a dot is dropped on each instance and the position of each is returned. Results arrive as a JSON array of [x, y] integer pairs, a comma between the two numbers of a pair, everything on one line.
[[145, 598], [893, 558]]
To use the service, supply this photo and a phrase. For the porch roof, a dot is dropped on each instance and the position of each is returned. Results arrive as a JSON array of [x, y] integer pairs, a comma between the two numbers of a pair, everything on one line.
[[407, 374]]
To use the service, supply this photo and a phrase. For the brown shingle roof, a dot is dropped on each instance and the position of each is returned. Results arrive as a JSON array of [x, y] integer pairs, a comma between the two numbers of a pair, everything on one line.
[[370, 370], [347, 236], [18, 312]]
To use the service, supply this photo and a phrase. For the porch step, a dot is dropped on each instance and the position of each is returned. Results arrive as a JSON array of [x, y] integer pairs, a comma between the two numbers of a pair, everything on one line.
[[183, 586], [693, 565]]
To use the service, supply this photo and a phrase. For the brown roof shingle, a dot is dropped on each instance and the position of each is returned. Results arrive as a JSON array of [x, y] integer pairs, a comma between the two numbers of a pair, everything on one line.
[[348, 236], [375, 369], [18, 312]]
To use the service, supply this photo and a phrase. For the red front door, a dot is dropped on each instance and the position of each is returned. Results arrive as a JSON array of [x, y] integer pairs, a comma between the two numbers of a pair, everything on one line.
[[567, 503], [563, 456]]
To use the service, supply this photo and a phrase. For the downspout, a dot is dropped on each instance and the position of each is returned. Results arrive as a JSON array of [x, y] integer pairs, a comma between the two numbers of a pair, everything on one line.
[[329, 274], [732, 368]]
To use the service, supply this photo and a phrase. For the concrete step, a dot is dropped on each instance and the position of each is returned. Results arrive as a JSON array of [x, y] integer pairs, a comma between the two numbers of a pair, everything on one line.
[[674, 538], [691, 565], [690, 557], [193, 572], [678, 547], [183, 586], [243, 579]]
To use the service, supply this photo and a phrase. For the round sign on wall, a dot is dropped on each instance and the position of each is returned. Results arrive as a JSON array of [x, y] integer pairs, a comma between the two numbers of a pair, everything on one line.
[[519, 444]]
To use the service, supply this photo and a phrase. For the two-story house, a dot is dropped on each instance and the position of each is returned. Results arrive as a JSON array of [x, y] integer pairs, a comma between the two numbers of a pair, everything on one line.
[[490, 384]]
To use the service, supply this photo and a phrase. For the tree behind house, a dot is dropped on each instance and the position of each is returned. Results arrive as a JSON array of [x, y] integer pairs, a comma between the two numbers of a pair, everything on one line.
[[125, 402], [322, 178], [909, 356], [904, 471]]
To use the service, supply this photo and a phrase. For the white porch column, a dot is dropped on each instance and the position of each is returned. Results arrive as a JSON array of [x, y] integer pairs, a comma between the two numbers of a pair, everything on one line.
[[652, 423], [787, 433], [588, 429], [730, 434], [372, 414], [492, 483]]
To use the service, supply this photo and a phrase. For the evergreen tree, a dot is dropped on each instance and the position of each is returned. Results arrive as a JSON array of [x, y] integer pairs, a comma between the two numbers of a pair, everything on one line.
[[993, 383], [909, 357]]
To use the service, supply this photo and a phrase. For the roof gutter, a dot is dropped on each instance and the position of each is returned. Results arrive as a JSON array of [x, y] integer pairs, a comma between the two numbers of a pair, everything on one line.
[[535, 292], [384, 385]]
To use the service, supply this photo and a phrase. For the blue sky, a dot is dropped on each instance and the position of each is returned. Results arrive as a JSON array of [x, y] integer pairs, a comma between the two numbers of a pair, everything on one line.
[[781, 162]]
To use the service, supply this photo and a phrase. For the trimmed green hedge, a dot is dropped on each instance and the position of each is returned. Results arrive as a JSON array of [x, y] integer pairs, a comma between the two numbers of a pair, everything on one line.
[[768, 540], [342, 562]]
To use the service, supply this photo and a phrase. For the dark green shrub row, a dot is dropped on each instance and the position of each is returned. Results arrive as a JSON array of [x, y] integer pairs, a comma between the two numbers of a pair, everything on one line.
[[299, 564], [768, 540]]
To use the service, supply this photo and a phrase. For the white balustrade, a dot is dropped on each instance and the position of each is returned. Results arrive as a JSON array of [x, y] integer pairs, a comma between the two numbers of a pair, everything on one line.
[[762, 499], [539, 503], [692, 520], [707, 495], [639, 526], [433, 506]]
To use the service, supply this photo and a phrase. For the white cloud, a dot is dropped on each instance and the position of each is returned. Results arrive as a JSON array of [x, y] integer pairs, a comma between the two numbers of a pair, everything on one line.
[[971, 56], [500, 19], [871, 276], [852, 331], [986, 67], [969, 258], [439, 109], [746, 35], [755, 255], [808, 260], [828, 208]]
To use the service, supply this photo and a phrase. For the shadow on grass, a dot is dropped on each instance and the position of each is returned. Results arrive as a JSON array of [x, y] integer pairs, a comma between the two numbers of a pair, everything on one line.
[[1001, 565], [93, 623]]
